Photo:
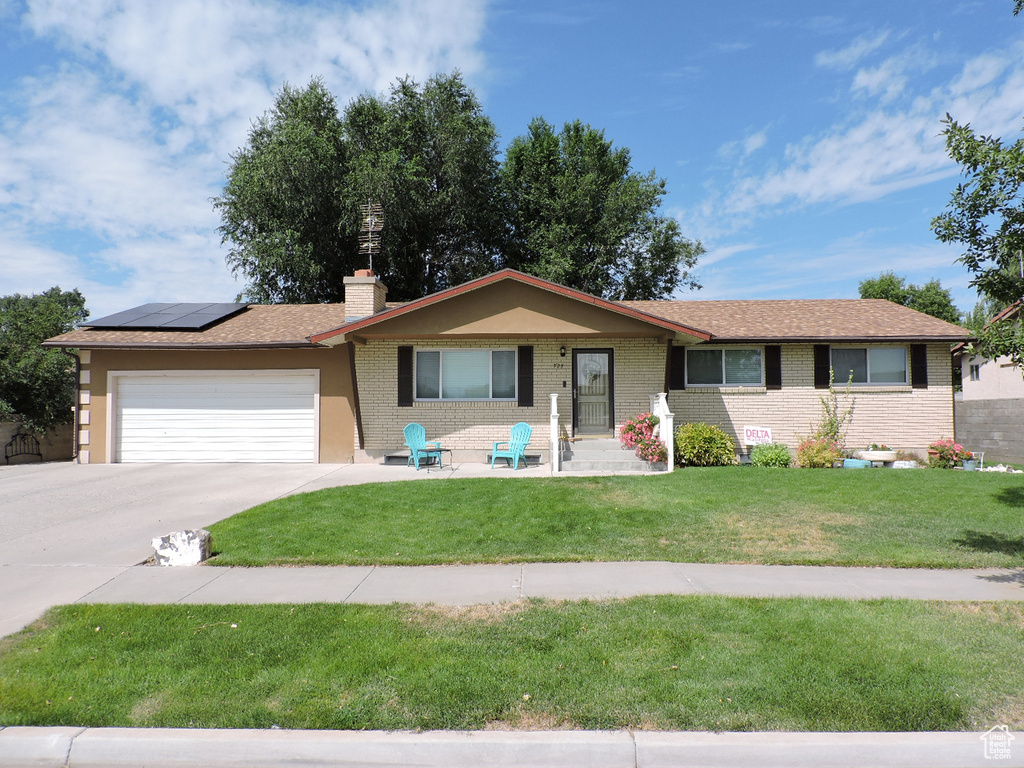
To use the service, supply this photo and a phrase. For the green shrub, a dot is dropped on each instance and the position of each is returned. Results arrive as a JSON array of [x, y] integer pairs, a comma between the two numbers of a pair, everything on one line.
[[704, 445], [817, 453], [770, 455]]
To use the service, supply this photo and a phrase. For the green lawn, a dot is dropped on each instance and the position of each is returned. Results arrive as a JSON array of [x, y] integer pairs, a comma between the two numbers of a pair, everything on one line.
[[912, 518], [683, 663]]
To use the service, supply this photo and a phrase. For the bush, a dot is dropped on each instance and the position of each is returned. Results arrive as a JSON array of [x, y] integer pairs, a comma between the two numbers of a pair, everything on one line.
[[817, 453], [704, 445], [771, 455]]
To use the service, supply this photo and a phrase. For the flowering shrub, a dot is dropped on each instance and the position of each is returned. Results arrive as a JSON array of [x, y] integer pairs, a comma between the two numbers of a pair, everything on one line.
[[638, 434], [818, 453], [770, 455], [704, 445], [878, 447], [947, 454]]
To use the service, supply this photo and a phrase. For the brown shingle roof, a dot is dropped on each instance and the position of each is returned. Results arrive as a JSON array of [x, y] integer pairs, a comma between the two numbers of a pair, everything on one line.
[[270, 325], [291, 325], [805, 320]]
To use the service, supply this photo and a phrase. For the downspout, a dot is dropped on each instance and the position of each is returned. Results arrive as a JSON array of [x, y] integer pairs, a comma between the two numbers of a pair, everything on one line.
[[78, 400], [355, 395]]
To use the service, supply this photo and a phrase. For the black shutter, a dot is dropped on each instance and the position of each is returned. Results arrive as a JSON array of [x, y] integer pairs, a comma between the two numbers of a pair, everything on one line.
[[773, 366], [919, 366], [677, 368], [822, 366], [526, 377], [404, 377]]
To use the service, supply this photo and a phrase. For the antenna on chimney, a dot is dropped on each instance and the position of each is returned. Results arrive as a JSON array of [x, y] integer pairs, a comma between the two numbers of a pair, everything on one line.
[[369, 234]]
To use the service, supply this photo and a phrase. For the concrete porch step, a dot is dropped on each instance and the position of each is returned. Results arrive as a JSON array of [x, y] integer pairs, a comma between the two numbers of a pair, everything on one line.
[[605, 454], [607, 465]]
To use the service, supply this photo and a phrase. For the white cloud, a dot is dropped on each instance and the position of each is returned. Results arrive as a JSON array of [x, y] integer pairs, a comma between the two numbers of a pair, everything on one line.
[[122, 142], [889, 79], [885, 150], [744, 147], [847, 58]]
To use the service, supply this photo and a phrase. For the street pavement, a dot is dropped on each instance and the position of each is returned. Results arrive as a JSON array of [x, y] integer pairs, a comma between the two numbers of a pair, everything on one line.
[[71, 533]]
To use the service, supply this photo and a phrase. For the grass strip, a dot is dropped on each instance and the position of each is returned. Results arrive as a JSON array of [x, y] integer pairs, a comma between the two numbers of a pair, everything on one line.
[[907, 518], [684, 663]]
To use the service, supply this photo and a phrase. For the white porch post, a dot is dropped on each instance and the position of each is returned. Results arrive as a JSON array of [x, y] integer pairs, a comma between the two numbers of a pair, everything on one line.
[[555, 444], [666, 426]]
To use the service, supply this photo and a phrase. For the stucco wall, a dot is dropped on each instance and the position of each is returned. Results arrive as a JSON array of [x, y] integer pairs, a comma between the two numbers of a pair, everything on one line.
[[469, 428], [901, 417], [994, 426], [336, 399], [998, 379], [55, 445]]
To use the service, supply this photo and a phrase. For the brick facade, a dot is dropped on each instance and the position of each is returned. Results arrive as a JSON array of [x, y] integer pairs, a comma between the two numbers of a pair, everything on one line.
[[899, 416], [469, 428]]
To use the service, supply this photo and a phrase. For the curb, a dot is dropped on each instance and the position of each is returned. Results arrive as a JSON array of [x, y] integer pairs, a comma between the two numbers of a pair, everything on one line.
[[21, 747]]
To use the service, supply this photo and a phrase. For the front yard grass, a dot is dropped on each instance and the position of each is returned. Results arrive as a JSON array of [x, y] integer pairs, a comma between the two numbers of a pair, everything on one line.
[[679, 663], [908, 518]]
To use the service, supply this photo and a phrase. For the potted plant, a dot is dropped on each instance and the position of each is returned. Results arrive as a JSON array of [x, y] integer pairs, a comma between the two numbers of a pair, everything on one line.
[[946, 454]]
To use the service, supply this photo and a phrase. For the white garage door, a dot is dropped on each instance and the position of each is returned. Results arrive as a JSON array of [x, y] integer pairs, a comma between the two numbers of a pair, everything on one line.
[[209, 416]]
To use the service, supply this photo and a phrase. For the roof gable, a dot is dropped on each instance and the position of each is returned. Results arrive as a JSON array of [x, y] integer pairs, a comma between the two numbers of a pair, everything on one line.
[[510, 303]]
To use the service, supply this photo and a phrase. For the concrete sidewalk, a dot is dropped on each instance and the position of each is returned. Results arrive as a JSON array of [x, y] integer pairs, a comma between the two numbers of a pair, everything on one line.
[[468, 584], [173, 748]]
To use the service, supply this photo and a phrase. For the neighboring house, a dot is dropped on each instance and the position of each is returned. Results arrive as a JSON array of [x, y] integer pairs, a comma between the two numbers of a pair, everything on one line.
[[987, 379], [989, 416], [337, 383]]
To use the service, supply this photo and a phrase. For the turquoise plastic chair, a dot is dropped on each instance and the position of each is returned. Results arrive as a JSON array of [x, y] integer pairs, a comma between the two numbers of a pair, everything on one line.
[[520, 438], [419, 448]]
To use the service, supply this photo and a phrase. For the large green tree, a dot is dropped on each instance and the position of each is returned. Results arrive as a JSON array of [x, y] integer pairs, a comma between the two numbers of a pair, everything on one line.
[[37, 385], [579, 215], [930, 298], [281, 209], [427, 154], [985, 215]]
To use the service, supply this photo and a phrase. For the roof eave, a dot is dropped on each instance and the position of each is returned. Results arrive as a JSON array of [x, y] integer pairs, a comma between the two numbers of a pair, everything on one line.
[[136, 345]]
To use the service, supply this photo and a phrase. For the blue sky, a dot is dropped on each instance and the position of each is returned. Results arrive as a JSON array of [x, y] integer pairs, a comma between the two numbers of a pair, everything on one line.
[[799, 140]]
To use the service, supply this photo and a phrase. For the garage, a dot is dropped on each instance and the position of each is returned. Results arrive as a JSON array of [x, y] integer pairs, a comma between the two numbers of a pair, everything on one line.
[[215, 416]]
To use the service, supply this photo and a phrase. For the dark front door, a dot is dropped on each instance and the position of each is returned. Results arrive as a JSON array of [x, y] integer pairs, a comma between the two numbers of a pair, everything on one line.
[[593, 381]]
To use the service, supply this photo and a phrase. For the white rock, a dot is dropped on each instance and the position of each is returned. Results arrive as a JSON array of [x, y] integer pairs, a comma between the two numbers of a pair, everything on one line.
[[182, 547]]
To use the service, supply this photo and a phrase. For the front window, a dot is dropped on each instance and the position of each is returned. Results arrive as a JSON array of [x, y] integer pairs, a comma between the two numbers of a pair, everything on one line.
[[723, 367], [870, 365], [975, 370], [465, 374]]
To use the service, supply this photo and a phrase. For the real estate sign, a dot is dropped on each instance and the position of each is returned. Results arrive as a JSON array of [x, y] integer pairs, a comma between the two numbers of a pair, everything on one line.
[[756, 435]]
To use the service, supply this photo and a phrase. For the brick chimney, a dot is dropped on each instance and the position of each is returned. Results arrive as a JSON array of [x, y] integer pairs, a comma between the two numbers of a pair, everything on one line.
[[364, 295]]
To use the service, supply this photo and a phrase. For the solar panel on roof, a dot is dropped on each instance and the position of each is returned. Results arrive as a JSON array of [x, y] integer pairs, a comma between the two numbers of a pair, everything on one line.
[[178, 317]]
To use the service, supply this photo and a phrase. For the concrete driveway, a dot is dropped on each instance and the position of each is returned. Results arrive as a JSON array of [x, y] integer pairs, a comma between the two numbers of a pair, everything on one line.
[[66, 529]]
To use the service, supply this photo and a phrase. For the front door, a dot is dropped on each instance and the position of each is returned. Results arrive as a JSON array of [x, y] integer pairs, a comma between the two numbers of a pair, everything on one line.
[[593, 406]]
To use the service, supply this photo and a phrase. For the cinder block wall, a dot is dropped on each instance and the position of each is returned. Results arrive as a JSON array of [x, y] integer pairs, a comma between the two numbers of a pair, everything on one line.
[[993, 426], [901, 417], [471, 427]]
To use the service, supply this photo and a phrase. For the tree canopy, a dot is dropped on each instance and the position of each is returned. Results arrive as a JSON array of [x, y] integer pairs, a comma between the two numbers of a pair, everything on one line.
[[930, 298], [37, 385], [985, 214], [580, 215], [566, 206]]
